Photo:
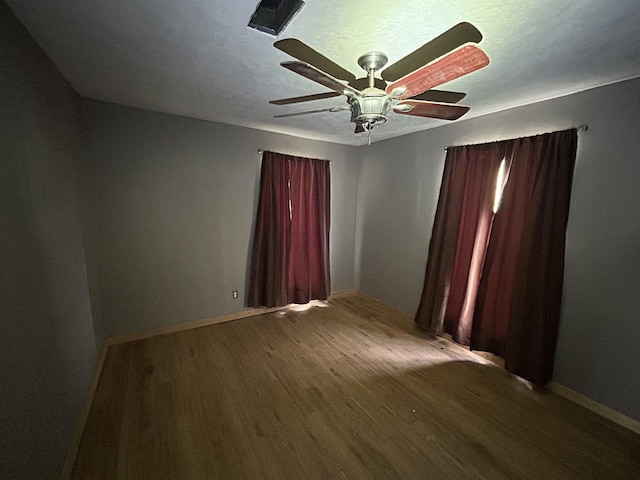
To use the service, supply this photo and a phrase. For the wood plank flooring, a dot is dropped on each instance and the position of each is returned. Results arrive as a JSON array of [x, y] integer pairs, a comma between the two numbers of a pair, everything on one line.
[[348, 391]]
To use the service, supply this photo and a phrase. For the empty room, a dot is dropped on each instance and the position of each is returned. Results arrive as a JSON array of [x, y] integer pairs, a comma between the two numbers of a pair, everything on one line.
[[289, 239]]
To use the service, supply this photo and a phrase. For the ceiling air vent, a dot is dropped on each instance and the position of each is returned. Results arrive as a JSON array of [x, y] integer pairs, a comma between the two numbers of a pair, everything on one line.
[[272, 16]]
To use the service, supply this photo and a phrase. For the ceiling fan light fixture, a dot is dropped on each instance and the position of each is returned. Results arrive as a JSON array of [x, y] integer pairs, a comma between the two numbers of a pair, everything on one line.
[[398, 92], [371, 108], [403, 108]]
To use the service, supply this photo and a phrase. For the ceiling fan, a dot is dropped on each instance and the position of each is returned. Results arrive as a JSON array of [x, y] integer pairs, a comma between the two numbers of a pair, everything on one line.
[[404, 87]]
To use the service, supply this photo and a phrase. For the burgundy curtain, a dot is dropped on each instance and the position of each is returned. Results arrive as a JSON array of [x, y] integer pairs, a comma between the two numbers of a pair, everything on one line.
[[290, 257], [458, 240], [518, 306], [495, 282], [308, 274]]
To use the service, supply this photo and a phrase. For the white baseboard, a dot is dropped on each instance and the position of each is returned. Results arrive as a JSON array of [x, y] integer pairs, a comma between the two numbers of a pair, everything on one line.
[[72, 453], [141, 335], [344, 293], [602, 410], [179, 327]]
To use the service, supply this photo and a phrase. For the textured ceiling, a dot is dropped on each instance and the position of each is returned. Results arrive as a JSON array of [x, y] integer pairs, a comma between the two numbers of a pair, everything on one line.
[[197, 58]]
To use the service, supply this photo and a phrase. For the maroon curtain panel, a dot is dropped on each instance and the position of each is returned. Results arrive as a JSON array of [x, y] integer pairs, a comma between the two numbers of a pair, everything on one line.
[[308, 273], [474, 228], [460, 233], [494, 282], [290, 255], [269, 260], [519, 299]]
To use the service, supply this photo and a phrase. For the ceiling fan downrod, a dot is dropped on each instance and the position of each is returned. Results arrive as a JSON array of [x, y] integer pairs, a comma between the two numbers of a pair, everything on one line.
[[373, 105], [372, 62]]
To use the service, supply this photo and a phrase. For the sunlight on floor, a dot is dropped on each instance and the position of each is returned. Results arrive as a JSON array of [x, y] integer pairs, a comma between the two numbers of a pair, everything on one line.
[[407, 353], [295, 307]]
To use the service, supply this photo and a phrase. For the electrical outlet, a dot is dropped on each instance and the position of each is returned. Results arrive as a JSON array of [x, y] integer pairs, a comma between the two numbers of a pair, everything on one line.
[[235, 294]]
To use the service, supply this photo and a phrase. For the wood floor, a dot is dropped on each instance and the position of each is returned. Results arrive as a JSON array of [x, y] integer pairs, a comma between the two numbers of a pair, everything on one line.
[[348, 391]]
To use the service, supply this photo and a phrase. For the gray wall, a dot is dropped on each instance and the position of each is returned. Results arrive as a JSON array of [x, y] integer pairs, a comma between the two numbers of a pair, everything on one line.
[[597, 352], [173, 203], [47, 345]]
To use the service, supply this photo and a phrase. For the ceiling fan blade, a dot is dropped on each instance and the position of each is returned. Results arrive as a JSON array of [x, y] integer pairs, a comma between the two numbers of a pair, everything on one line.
[[313, 73], [451, 39], [360, 129], [463, 60], [443, 111], [330, 109], [441, 96], [303, 52], [306, 98]]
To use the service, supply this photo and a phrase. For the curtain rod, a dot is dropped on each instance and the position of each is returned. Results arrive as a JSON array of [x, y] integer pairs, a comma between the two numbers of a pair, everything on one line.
[[261, 151], [582, 128]]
